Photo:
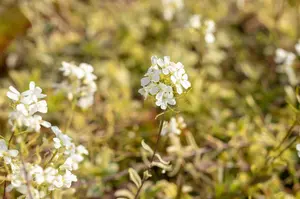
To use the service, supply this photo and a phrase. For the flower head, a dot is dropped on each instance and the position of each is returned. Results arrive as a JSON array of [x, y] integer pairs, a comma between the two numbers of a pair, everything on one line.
[[27, 105], [79, 83], [164, 81]]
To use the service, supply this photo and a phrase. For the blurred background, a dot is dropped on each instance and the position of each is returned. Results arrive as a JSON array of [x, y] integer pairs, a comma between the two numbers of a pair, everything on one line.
[[238, 110]]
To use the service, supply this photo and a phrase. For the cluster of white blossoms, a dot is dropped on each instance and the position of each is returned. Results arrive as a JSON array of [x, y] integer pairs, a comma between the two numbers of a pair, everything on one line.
[[80, 84], [209, 27], [174, 126], [30, 179], [171, 7], [165, 80], [57, 175], [285, 60], [27, 105]]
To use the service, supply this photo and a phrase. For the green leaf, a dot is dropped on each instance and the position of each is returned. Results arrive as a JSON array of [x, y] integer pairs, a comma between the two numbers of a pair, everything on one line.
[[161, 160], [161, 165], [124, 193], [147, 147], [134, 177]]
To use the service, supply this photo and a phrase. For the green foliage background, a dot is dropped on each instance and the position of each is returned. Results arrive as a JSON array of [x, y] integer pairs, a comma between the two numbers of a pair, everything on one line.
[[237, 111]]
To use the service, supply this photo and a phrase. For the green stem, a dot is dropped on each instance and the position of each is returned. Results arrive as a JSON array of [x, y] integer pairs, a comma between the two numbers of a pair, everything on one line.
[[8, 146], [283, 150], [289, 132], [69, 122], [54, 154], [153, 156]]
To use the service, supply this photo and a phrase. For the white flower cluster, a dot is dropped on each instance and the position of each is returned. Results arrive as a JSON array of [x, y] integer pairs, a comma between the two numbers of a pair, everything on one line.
[[33, 180], [165, 80], [80, 83], [174, 126], [27, 106], [208, 25], [72, 155], [285, 60], [42, 180], [171, 7]]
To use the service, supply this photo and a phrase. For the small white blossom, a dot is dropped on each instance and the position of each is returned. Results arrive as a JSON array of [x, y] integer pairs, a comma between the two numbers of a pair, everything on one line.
[[210, 29], [174, 126], [285, 60], [33, 94], [7, 154], [13, 94], [171, 7], [195, 21]]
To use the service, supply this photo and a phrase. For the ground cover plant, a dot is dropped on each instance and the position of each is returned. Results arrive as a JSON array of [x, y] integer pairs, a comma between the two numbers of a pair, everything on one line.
[[166, 99]]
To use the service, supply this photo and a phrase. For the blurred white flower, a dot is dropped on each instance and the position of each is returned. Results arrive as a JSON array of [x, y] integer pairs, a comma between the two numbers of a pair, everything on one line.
[[174, 126], [285, 60], [80, 83], [27, 104], [32, 95], [13, 94], [7, 154], [195, 21], [170, 7], [284, 57], [210, 29]]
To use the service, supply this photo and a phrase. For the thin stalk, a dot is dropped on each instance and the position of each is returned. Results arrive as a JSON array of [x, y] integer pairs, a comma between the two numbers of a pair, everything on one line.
[[180, 182], [289, 132], [153, 155], [8, 146], [69, 122], [26, 177], [283, 150], [287, 135], [54, 154]]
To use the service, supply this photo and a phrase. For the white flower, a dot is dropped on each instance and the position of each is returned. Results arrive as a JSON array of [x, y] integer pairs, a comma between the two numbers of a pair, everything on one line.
[[284, 57], [85, 102], [80, 83], [68, 178], [174, 126], [82, 150], [61, 140], [170, 7], [58, 182], [160, 79], [40, 106], [210, 29], [88, 72], [33, 94], [195, 21], [151, 75], [7, 154], [27, 105], [13, 94], [180, 79], [165, 96]]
